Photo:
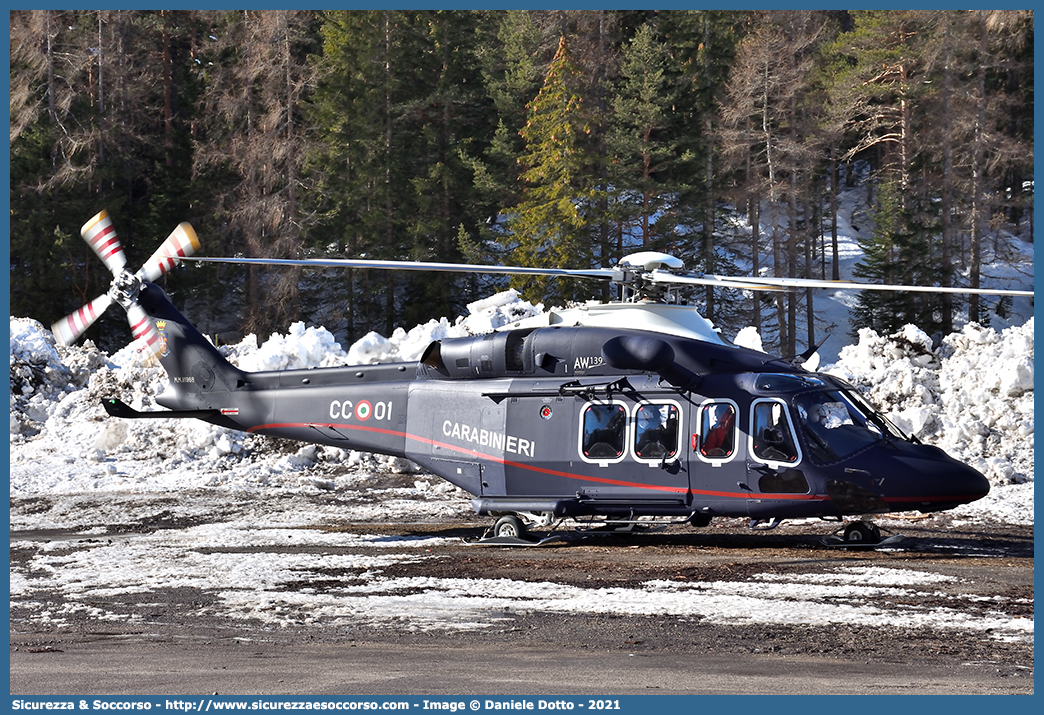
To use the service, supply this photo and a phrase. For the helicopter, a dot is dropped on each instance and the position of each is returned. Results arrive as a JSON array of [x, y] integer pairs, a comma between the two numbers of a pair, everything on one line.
[[612, 414]]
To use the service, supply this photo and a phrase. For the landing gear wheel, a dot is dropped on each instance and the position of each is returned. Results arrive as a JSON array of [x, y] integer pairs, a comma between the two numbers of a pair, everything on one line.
[[509, 526], [699, 520], [861, 532]]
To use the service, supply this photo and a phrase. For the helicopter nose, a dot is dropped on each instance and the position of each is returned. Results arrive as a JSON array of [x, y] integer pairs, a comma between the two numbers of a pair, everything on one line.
[[905, 477], [976, 482], [971, 482], [937, 482]]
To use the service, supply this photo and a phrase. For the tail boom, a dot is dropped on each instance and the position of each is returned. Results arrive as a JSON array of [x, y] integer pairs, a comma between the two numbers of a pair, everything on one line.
[[356, 407]]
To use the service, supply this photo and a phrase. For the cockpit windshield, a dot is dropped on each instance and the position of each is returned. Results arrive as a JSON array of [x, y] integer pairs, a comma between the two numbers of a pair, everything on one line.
[[835, 424]]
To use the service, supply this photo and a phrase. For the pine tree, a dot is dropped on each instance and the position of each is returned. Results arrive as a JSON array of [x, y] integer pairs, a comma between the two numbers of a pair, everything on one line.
[[702, 45], [253, 140], [513, 60], [645, 201], [404, 120], [901, 251], [451, 115], [880, 91], [551, 225], [926, 100], [767, 130]]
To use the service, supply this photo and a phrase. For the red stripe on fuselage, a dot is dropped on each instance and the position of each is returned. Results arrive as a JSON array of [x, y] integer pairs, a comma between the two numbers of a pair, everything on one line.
[[540, 470], [601, 480]]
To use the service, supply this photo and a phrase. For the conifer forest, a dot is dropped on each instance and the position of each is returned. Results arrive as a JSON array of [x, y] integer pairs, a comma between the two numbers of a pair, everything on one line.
[[548, 138]]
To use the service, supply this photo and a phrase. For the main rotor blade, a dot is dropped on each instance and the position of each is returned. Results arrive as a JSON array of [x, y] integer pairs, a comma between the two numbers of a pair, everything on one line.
[[101, 237], [851, 285], [75, 324], [181, 243], [657, 276], [601, 273], [711, 280]]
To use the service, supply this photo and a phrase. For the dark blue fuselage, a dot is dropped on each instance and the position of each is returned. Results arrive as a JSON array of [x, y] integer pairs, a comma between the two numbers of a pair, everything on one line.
[[574, 421]]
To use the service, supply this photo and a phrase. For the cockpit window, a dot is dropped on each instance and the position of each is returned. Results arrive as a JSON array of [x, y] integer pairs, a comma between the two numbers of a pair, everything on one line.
[[772, 436], [835, 424], [786, 382], [604, 430]]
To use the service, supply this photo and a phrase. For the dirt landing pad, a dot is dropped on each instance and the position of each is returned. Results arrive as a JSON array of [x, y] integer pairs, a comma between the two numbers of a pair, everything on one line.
[[237, 597]]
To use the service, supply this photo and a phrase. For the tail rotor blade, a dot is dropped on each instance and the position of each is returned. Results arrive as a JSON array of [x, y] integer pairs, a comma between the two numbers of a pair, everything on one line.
[[142, 327], [72, 326], [181, 242], [101, 237]]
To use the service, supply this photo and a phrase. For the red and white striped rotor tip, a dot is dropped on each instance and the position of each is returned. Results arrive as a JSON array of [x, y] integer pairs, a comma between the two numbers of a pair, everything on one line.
[[143, 329], [75, 324], [101, 237], [182, 241]]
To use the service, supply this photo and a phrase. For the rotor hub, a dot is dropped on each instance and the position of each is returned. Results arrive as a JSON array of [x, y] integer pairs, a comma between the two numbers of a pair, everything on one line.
[[125, 288], [637, 286]]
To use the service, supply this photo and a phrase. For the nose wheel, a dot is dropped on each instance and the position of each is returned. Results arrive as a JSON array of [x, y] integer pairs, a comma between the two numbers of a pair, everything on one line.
[[861, 535], [861, 532]]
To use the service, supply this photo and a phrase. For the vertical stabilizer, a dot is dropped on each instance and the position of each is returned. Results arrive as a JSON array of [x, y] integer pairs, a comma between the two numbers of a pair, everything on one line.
[[200, 377]]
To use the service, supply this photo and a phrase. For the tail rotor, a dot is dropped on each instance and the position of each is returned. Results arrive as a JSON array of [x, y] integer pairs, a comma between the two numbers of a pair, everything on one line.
[[101, 237]]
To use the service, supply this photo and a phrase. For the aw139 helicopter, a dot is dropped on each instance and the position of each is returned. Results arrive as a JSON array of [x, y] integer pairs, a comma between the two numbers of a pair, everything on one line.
[[606, 413]]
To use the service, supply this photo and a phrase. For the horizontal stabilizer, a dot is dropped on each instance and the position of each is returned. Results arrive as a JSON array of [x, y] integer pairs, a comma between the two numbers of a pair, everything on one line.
[[119, 408]]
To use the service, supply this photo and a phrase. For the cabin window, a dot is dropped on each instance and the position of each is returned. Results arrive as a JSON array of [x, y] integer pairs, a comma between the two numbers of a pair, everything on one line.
[[771, 434], [717, 436], [603, 433], [657, 429]]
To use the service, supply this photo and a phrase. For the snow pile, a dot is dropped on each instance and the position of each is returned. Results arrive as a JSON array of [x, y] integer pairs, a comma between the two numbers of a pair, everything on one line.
[[300, 348], [304, 347], [750, 338], [484, 316], [972, 396], [40, 376]]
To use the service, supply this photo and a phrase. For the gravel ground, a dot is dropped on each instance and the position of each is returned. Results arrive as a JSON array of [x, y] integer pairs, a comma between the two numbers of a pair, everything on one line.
[[986, 570]]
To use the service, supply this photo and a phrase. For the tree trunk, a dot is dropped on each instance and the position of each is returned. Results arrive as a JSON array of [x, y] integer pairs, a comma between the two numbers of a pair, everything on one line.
[[708, 214], [947, 183], [977, 209], [835, 265], [755, 255], [168, 111]]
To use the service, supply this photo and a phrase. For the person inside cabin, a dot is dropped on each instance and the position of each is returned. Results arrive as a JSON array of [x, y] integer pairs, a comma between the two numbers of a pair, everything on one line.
[[773, 438], [718, 436], [656, 432]]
